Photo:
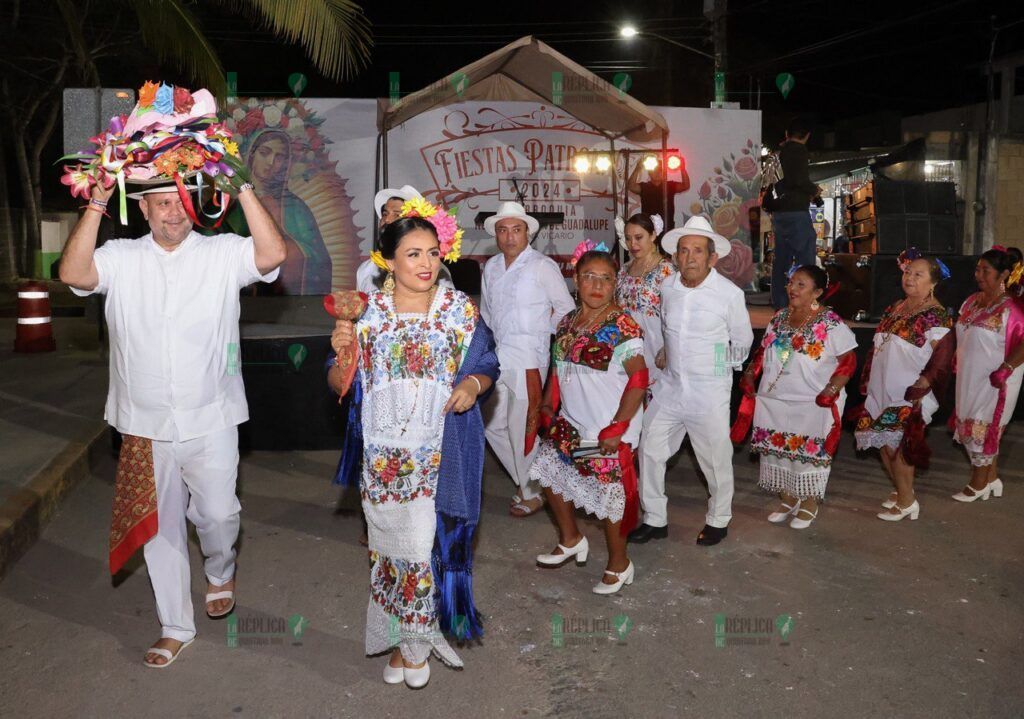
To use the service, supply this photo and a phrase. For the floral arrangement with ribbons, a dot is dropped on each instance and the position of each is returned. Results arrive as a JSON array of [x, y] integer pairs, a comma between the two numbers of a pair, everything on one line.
[[171, 134], [912, 253], [449, 234], [585, 247]]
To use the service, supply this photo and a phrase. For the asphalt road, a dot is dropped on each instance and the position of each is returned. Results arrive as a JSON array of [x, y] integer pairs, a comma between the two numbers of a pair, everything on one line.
[[910, 619]]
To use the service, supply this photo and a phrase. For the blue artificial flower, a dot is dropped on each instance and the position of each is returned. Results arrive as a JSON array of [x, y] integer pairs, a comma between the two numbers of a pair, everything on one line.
[[609, 334], [164, 103]]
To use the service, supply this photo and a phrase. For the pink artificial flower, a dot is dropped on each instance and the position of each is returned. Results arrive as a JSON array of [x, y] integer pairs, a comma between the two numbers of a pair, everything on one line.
[[820, 332], [80, 182]]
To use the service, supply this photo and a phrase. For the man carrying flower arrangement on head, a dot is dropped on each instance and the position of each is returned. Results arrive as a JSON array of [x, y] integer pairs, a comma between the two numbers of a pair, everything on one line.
[[172, 308]]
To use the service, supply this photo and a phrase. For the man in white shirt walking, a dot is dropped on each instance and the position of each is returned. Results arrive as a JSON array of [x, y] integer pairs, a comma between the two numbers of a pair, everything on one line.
[[176, 389], [522, 299], [707, 337]]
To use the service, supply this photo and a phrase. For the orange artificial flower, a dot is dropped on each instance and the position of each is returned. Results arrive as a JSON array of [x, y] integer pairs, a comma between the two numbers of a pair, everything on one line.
[[147, 94], [814, 349]]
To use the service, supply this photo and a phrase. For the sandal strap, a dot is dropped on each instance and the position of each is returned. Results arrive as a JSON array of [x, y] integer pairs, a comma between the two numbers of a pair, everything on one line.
[[813, 516], [214, 596], [160, 652]]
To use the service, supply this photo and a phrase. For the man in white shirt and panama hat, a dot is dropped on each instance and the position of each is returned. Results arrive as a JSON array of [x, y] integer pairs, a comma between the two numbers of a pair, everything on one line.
[[523, 297], [176, 393], [707, 336]]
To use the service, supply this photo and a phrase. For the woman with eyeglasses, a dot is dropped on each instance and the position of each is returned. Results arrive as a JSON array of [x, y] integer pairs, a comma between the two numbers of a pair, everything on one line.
[[592, 403], [902, 384]]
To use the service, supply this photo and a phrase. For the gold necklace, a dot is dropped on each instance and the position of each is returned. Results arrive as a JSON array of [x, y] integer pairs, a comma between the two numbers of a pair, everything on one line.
[[656, 259], [787, 352], [577, 325]]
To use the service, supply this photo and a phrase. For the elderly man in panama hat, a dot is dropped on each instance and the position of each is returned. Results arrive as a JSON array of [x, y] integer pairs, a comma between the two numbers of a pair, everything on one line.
[[522, 299], [707, 336], [176, 393]]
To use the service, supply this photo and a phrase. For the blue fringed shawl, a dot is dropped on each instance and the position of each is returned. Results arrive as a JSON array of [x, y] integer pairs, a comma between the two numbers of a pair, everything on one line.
[[457, 501]]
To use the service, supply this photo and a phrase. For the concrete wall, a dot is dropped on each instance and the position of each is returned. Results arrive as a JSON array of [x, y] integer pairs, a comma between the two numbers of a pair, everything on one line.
[[1008, 203]]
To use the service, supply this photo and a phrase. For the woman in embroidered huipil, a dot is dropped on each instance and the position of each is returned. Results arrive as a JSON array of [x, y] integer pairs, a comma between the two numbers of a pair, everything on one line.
[[989, 354], [896, 384], [597, 384], [806, 357], [420, 358], [638, 287]]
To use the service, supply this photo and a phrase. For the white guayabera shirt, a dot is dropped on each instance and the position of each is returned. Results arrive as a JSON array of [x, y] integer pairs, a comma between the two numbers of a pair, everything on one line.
[[523, 305], [175, 359], [707, 336]]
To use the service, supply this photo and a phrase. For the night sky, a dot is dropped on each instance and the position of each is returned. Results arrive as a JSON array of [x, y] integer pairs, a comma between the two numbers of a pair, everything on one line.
[[848, 59]]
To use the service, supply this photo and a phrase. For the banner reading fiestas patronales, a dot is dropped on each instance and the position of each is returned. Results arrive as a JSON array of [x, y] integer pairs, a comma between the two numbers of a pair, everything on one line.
[[312, 162]]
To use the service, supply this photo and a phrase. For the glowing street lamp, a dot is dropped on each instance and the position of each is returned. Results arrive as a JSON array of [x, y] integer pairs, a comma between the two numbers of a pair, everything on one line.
[[628, 31]]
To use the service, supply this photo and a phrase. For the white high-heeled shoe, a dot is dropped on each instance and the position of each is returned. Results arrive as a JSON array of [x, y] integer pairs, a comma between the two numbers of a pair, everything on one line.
[[997, 487], [580, 551], [780, 517], [976, 494], [890, 502], [801, 523], [623, 577], [393, 675], [417, 678], [912, 511]]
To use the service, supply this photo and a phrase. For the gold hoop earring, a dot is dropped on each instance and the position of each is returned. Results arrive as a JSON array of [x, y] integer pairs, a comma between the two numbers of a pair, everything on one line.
[[389, 283]]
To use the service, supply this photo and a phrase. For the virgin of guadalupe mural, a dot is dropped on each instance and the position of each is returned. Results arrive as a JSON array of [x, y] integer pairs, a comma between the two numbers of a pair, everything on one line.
[[299, 185]]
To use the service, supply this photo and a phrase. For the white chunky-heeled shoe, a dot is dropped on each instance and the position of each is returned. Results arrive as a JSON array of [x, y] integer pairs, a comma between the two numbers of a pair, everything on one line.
[[802, 522], [890, 502], [780, 517], [580, 551], [623, 577], [912, 511], [997, 487], [976, 494]]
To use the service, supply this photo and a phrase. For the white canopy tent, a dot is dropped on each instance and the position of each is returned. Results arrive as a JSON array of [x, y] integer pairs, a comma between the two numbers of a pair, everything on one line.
[[524, 71]]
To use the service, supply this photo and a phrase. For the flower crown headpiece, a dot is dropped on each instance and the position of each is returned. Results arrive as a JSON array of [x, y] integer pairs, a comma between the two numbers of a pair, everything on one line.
[[1016, 272], [620, 228], [912, 253], [585, 247], [449, 234]]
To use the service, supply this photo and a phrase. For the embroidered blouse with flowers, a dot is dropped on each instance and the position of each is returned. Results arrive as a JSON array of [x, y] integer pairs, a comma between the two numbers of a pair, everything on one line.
[[641, 297], [591, 380], [789, 427], [901, 348], [407, 367], [985, 337]]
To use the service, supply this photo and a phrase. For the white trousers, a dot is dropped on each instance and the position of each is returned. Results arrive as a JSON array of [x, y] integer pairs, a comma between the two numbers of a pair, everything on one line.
[[505, 430], [195, 480], [666, 423]]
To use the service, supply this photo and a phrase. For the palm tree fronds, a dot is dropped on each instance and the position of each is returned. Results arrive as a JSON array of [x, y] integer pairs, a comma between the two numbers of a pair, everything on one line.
[[174, 35], [334, 33]]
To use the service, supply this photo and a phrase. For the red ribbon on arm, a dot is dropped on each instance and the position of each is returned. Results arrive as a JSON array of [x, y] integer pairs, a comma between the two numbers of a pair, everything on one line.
[[846, 367], [638, 380], [745, 415], [544, 421]]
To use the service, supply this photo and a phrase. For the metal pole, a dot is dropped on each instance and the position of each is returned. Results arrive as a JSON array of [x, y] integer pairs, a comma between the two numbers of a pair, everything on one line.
[[670, 222]]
